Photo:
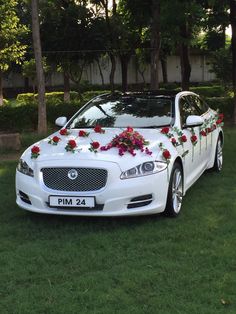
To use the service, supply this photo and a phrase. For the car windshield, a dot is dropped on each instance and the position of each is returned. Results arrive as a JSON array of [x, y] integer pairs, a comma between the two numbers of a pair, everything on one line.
[[142, 111]]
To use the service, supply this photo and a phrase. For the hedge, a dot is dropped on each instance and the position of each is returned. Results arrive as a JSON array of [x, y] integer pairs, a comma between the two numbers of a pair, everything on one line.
[[51, 98], [25, 117]]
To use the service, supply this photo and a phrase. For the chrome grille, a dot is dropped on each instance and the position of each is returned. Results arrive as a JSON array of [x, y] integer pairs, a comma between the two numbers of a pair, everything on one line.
[[88, 179]]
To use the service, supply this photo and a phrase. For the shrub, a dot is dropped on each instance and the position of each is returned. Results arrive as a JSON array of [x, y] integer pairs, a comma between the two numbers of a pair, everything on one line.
[[209, 91], [223, 104], [52, 98], [25, 117]]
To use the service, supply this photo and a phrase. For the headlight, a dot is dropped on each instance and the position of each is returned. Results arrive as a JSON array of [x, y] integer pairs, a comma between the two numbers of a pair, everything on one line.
[[144, 169], [24, 168]]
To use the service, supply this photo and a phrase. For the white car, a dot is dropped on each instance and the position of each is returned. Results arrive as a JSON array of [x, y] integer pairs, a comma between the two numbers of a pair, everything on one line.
[[122, 154]]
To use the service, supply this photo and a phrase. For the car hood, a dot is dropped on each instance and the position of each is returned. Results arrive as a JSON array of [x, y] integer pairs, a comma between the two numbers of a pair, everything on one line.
[[49, 152]]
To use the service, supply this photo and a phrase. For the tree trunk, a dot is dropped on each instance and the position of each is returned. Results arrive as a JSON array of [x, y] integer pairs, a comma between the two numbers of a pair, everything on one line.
[[112, 73], [100, 72], [42, 116], [124, 60], [233, 47], [66, 79], [155, 44], [184, 58], [164, 69], [1, 89]]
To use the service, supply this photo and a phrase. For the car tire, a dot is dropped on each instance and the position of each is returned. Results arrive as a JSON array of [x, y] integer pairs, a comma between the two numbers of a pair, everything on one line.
[[218, 163], [175, 192]]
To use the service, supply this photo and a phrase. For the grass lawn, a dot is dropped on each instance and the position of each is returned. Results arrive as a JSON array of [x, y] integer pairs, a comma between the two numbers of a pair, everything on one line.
[[148, 264]]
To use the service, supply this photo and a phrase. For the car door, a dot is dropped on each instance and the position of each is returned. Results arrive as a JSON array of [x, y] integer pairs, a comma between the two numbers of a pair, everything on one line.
[[194, 160]]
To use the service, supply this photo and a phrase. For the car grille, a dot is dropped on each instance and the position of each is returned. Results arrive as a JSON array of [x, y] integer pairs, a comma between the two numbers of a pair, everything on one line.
[[88, 179]]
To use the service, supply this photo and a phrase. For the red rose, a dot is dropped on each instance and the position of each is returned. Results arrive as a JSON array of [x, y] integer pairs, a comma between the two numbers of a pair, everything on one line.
[[166, 154], [35, 150], [221, 116], [209, 130], [219, 121], [98, 129], [56, 139], [193, 138], [129, 129], [95, 145], [173, 140], [72, 143], [183, 138], [82, 133], [63, 131], [203, 133], [165, 130]]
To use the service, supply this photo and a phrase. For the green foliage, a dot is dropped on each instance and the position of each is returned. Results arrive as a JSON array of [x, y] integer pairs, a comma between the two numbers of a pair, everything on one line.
[[209, 91], [52, 98], [29, 68], [223, 104], [11, 32], [221, 65]]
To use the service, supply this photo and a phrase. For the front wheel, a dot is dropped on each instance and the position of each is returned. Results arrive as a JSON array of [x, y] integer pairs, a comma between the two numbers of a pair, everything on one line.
[[218, 164], [175, 192]]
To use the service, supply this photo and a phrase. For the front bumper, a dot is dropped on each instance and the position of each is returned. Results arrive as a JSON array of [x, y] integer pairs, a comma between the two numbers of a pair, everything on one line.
[[112, 200]]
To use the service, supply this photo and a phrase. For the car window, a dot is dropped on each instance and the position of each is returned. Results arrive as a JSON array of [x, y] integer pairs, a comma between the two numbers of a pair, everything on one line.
[[136, 111], [196, 101], [187, 108]]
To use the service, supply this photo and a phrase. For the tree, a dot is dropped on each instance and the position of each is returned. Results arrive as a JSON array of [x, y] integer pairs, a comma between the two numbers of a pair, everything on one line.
[[42, 115], [11, 32]]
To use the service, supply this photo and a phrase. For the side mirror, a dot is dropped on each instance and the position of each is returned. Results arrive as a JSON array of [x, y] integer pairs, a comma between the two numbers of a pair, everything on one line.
[[193, 121], [61, 121]]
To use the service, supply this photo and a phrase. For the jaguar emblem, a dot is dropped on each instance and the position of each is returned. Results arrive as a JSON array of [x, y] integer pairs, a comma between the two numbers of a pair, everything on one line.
[[72, 174]]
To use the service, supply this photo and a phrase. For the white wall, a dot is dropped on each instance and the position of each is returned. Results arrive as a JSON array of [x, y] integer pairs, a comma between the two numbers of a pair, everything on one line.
[[199, 63]]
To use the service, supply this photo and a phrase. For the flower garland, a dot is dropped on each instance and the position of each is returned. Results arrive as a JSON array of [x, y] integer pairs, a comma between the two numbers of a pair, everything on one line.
[[127, 142]]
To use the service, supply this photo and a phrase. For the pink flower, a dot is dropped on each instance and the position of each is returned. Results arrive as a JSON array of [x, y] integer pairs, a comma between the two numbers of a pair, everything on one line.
[[129, 129]]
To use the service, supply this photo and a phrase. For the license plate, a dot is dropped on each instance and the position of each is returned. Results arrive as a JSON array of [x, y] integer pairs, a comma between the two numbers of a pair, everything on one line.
[[71, 201]]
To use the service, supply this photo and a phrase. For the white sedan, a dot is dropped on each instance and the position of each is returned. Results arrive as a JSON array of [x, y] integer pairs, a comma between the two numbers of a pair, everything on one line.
[[122, 154]]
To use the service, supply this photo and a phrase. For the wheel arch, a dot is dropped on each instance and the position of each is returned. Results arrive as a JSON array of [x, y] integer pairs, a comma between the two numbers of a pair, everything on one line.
[[180, 162]]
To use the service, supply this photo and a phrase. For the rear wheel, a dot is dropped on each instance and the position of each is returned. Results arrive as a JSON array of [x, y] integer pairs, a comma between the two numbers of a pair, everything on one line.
[[218, 164], [175, 191]]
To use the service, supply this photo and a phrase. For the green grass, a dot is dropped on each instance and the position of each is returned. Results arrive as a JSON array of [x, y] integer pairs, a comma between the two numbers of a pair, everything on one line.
[[140, 265]]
